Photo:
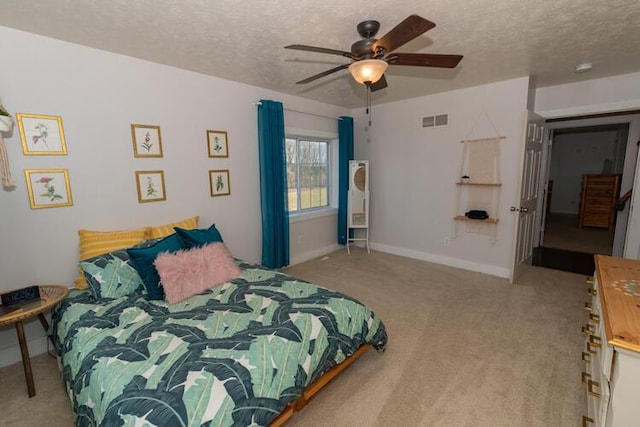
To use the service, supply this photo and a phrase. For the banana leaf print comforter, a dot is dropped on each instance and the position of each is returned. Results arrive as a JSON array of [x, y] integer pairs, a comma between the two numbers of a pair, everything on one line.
[[236, 355]]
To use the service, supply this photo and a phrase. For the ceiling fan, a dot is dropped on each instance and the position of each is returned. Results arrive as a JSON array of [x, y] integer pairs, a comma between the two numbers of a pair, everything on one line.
[[371, 56]]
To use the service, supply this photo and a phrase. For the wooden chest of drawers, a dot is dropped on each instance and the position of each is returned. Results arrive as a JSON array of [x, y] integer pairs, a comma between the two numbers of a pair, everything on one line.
[[599, 193], [612, 345]]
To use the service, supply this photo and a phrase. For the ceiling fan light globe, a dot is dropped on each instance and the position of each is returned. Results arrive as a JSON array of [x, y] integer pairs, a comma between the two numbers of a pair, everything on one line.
[[368, 71]]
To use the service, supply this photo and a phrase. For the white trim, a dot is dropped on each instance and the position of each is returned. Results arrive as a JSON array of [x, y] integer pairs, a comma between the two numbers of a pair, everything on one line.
[[444, 260], [11, 355], [592, 121], [332, 185], [310, 214], [310, 133], [621, 106], [315, 254]]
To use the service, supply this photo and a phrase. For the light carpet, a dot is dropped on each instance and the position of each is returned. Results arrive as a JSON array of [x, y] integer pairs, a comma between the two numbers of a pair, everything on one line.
[[465, 349]]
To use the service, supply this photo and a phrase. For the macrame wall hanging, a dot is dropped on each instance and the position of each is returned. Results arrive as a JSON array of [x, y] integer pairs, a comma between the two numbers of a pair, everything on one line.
[[6, 125], [478, 186]]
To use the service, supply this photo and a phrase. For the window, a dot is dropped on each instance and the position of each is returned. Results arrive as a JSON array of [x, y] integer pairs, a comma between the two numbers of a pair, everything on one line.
[[307, 173]]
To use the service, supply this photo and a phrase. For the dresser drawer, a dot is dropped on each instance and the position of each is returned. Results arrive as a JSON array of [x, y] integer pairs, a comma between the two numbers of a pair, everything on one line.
[[597, 197], [597, 388], [612, 344], [597, 350]]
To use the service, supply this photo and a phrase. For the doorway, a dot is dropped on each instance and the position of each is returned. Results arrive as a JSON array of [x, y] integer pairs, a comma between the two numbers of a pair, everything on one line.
[[585, 165]]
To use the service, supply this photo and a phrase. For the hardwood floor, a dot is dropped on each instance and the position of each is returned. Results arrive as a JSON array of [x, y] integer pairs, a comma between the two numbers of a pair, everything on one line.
[[560, 259], [567, 247], [562, 232]]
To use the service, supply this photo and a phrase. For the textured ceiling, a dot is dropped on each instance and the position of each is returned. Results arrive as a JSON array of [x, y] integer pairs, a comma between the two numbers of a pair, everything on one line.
[[244, 40]]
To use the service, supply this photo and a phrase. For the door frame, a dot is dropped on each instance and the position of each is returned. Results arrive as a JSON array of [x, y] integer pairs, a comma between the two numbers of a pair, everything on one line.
[[543, 187], [626, 238]]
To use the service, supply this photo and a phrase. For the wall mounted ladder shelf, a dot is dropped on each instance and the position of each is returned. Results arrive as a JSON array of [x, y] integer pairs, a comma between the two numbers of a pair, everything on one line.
[[479, 187]]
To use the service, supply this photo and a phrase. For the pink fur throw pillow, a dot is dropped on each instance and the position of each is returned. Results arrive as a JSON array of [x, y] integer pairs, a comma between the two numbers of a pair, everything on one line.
[[190, 272]]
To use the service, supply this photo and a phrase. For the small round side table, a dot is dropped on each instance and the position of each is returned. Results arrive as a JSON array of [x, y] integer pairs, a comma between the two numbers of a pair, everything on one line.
[[50, 295]]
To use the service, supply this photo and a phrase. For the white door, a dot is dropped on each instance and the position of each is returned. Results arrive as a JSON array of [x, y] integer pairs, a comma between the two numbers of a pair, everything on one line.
[[543, 192], [526, 211]]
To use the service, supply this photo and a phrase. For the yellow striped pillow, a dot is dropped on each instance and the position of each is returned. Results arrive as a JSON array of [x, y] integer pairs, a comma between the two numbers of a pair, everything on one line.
[[167, 229], [94, 243]]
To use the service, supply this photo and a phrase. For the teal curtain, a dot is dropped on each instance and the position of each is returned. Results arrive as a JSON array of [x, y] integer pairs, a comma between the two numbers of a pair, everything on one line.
[[345, 153], [273, 185]]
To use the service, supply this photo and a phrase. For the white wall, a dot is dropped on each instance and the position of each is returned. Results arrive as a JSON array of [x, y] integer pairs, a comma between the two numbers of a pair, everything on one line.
[[99, 94], [572, 156], [617, 93], [313, 237], [414, 170]]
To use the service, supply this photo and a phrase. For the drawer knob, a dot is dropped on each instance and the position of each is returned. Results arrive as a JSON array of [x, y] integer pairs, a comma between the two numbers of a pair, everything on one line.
[[595, 340], [591, 386], [585, 377], [588, 329], [590, 280], [592, 292], [586, 357], [592, 348], [586, 421], [595, 317], [588, 306]]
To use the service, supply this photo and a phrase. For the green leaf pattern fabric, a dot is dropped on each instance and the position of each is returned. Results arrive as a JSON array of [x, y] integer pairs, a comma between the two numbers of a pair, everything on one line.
[[235, 355], [111, 275]]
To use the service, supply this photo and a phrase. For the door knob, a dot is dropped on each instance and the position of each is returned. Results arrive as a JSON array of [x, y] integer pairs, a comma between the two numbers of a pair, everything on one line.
[[514, 209]]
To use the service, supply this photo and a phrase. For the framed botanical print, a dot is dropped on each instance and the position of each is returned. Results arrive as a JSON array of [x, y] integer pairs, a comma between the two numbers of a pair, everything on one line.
[[41, 135], [218, 143], [219, 182], [48, 188], [147, 141], [150, 185]]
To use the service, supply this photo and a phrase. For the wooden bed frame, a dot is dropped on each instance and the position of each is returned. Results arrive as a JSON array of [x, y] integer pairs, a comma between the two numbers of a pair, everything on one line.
[[314, 388]]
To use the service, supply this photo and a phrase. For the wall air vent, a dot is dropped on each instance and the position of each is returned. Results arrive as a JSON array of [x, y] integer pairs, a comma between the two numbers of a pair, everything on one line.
[[442, 119], [436, 120], [428, 122]]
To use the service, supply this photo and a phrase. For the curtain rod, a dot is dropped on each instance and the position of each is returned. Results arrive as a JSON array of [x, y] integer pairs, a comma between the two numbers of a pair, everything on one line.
[[304, 112]]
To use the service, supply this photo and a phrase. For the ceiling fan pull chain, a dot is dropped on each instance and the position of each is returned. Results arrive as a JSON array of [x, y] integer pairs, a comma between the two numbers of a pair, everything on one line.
[[369, 103]]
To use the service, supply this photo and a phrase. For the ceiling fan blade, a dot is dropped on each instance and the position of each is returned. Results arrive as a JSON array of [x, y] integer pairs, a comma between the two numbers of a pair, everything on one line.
[[322, 74], [380, 84], [424, 60], [321, 50], [402, 33]]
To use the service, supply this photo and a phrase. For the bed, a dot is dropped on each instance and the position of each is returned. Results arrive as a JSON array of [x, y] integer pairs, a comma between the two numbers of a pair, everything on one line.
[[250, 351]]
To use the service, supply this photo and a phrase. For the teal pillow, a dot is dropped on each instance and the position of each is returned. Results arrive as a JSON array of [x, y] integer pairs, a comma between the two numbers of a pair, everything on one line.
[[111, 275], [143, 258], [198, 237]]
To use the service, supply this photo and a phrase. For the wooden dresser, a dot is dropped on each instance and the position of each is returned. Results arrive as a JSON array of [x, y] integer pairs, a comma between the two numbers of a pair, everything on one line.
[[612, 344], [599, 193]]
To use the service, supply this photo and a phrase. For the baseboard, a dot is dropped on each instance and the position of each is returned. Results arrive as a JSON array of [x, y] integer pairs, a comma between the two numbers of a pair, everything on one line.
[[11, 355], [444, 260], [315, 254]]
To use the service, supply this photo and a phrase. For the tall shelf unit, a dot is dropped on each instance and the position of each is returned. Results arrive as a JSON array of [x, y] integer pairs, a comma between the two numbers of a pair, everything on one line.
[[358, 204], [478, 187]]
